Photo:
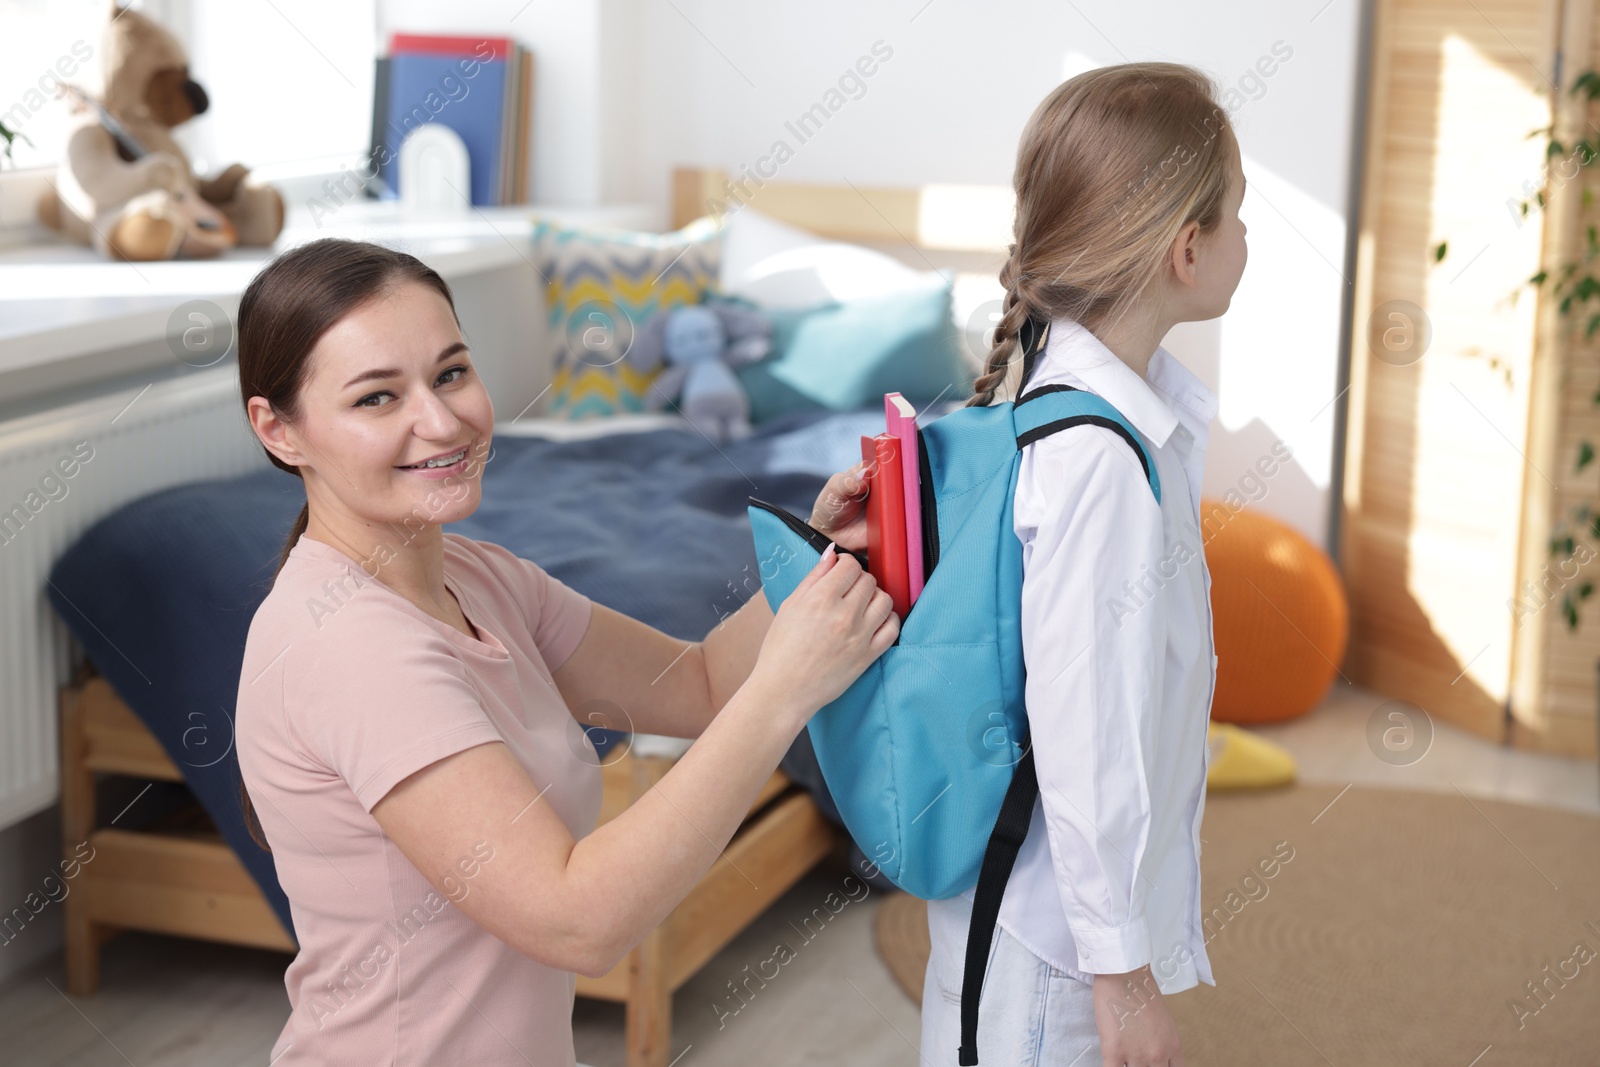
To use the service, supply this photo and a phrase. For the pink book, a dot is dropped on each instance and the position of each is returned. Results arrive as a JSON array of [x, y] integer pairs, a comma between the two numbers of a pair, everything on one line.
[[901, 417]]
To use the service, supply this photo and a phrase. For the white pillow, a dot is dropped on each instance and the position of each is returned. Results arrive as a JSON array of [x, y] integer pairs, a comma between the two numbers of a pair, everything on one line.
[[782, 267], [562, 429]]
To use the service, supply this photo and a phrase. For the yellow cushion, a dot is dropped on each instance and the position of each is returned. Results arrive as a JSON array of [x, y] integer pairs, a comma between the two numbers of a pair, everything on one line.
[[601, 286], [1241, 760]]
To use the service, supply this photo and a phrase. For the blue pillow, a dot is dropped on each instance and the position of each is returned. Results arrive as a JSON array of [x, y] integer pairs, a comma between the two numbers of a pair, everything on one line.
[[845, 356]]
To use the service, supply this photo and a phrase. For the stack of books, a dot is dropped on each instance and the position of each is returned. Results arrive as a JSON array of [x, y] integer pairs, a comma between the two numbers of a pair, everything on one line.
[[894, 504], [480, 87]]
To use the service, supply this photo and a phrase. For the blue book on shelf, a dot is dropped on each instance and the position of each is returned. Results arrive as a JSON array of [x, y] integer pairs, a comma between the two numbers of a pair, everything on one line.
[[420, 87]]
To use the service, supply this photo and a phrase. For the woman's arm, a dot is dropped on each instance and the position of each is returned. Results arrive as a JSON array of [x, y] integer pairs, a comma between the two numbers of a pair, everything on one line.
[[660, 684], [666, 686], [581, 905]]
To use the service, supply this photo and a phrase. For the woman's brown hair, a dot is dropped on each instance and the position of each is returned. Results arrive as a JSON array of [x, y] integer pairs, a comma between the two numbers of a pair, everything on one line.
[[1111, 166], [284, 311]]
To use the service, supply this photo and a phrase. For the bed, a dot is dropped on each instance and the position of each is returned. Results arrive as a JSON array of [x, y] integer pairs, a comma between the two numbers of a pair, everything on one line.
[[640, 512]]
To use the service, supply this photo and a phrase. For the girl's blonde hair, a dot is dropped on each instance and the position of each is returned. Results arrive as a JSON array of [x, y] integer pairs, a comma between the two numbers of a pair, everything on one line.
[[1111, 166]]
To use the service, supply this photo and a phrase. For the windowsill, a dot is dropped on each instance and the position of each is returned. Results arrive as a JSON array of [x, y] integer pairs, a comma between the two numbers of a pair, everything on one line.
[[69, 317]]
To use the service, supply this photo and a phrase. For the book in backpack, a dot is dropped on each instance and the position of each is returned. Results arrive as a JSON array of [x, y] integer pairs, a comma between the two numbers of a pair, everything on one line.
[[926, 754]]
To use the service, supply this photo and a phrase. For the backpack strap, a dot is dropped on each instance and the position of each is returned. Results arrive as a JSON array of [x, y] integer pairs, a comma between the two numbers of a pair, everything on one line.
[[1047, 410], [1033, 336], [1010, 830], [1050, 409]]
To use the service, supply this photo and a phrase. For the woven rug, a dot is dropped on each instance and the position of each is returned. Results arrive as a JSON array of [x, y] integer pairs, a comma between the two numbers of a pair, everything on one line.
[[1396, 927]]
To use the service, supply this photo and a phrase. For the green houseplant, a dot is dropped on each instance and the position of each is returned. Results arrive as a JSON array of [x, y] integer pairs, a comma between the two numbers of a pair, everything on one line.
[[1575, 286], [11, 136]]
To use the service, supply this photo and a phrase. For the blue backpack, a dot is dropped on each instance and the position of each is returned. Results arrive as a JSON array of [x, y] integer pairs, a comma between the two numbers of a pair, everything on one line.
[[926, 754]]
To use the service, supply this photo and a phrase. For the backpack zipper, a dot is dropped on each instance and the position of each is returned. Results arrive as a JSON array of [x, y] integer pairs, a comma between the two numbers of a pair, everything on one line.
[[813, 536], [930, 518]]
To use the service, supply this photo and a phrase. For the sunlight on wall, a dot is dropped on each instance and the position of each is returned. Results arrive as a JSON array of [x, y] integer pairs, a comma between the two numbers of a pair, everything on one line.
[[1280, 336], [1074, 63], [1470, 425]]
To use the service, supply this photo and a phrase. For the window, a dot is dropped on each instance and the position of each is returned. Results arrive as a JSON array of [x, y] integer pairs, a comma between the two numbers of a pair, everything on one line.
[[290, 82], [44, 44]]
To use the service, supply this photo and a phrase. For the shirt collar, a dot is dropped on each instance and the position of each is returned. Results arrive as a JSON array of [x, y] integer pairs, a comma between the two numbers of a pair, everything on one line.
[[1155, 405]]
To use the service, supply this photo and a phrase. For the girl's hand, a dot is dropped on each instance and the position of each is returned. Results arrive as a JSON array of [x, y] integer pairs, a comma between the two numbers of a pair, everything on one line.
[[841, 509], [829, 630], [1134, 1024]]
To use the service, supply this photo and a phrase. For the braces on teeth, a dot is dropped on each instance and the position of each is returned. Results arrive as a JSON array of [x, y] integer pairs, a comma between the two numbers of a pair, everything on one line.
[[455, 457]]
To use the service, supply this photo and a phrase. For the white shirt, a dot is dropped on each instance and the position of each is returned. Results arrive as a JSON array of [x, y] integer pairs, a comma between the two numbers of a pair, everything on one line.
[[1116, 634]]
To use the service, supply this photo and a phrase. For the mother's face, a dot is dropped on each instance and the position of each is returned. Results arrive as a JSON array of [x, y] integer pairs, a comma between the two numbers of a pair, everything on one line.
[[388, 388]]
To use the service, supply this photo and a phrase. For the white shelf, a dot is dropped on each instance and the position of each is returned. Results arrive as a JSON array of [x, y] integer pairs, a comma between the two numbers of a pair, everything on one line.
[[68, 316]]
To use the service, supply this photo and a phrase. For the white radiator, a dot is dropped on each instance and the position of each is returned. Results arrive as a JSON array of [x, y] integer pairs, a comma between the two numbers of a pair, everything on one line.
[[60, 472]]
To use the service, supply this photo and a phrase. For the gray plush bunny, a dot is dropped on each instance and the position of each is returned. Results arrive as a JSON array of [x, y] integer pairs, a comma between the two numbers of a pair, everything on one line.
[[701, 344]]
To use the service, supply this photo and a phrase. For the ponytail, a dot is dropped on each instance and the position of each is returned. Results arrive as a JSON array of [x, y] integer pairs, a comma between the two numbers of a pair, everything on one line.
[[294, 535], [251, 822]]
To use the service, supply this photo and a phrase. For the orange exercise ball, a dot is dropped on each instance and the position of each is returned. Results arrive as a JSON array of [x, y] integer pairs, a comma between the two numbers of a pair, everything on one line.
[[1280, 616]]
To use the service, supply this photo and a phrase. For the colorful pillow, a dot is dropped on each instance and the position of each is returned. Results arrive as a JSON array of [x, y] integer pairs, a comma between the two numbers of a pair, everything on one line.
[[845, 356], [601, 286]]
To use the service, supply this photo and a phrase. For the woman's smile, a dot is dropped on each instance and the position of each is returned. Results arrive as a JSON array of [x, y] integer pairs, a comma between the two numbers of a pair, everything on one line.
[[442, 465]]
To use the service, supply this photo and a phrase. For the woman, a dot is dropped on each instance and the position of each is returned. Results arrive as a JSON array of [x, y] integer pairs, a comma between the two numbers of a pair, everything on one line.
[[408, 714]]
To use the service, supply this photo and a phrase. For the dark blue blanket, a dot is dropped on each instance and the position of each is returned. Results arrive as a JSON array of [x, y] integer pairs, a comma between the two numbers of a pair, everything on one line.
[[161, 592]]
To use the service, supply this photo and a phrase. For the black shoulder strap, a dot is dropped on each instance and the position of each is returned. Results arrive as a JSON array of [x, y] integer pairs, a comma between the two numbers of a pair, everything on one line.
[[1016, 810], [1033, 336], [1010, 830]]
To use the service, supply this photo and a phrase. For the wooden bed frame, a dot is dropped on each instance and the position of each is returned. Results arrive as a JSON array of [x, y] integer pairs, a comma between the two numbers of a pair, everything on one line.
[[181, 878], [966, 227]]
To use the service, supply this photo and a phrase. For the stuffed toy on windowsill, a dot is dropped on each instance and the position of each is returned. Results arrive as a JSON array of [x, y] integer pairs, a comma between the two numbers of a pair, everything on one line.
[[701, 345], [124, 187]]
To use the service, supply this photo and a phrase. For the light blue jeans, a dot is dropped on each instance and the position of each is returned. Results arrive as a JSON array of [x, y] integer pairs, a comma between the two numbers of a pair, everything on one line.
[[1029, 1012]]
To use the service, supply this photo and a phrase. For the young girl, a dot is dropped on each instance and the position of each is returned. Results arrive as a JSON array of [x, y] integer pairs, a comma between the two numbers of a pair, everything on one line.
[[1128, 184]]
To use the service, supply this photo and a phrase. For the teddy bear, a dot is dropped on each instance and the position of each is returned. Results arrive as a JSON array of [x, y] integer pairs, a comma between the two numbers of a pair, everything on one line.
[[151, 207], [701, 344]]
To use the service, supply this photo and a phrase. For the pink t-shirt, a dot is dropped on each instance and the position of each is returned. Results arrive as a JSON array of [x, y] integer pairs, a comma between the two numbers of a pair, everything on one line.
[[347, 688]]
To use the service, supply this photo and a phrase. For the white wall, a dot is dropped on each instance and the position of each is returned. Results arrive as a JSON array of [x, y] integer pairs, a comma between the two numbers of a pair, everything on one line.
[[719, 80], [627, 89]]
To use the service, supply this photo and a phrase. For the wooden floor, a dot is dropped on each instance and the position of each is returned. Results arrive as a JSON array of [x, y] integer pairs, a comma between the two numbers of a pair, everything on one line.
[[177, 1003]]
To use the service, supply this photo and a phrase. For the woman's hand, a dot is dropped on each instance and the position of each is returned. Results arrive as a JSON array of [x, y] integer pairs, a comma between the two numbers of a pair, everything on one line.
[[834, 624], [1134, 1024], [841, 509]]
